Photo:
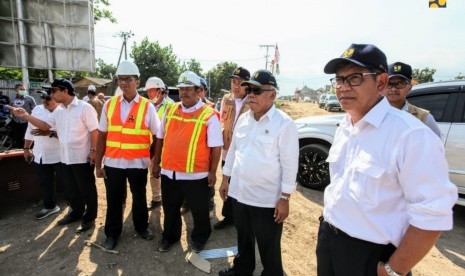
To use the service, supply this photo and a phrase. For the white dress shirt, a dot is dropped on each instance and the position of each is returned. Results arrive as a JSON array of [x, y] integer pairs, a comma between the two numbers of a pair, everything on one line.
[[73, 124], [263, 158], [45, 148], [214, 139], [151, 122], [429, 121], [387, 171], [238, 105]]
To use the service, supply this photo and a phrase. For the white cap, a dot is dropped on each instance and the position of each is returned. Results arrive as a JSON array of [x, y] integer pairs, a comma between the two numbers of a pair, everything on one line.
[[91, 88], [127, 68], [154, 82], [188, 79]]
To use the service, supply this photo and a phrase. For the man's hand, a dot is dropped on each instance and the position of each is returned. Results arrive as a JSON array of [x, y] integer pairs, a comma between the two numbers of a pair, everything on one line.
[[39, 132], [100, 172], [28, 155], [281, 211], [156, 170], [211, 179], [17, 111], [381, 271], [91, 157], [224, 188]]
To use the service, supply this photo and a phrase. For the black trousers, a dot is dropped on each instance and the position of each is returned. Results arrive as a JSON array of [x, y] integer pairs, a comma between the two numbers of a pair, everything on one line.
[[17, 133], [81, 190], [196, 193], [339, 254], [49, 175], [227, 210], [115, 185], [256, 223]]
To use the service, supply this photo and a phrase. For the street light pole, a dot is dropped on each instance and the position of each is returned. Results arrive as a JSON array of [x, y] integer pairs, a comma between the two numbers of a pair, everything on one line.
[[266, 57]]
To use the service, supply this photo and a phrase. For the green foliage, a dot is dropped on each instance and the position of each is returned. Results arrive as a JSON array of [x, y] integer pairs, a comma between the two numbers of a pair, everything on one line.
[[423, 75], [100, 11], [217, 78], [10, 73], [192, 65], [460, 77], [155, 60], [103, 70]]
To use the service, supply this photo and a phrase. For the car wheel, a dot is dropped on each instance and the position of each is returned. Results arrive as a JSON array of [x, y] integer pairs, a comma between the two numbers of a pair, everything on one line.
[[328, 108], [313, 169]]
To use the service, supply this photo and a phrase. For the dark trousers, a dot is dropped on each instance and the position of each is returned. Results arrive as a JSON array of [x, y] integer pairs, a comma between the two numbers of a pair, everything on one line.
[[339, 254], [49, 175], [227, 210], [17, 133], [115, 185], [81, 190], [196, 193], [256, 223]]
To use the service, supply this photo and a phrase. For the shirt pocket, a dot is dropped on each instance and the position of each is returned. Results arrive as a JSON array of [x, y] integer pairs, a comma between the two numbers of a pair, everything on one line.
[[265, 145], [366, 181]]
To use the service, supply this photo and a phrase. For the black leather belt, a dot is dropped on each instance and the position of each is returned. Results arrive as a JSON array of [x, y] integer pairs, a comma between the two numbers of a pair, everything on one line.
[[334, 229]]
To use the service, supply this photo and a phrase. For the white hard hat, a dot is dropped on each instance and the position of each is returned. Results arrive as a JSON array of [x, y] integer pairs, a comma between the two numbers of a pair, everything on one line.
[[91, 88], [188, 79], [154, 82], [127, 68]]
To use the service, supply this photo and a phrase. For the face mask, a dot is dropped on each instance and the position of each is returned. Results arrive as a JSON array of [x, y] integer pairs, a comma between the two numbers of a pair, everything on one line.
[[22, 92]]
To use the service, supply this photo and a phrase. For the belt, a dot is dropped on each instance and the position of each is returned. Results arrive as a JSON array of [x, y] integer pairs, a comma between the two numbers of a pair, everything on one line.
[[334, 229]]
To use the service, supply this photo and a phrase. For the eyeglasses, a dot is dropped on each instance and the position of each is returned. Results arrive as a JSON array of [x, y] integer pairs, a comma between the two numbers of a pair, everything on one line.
[[352, 80], [397, 85], [126, 80], [256, 90], [47, 98]]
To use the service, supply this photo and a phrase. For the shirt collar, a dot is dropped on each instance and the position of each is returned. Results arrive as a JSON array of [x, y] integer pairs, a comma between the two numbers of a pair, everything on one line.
[[405, 107], [198, 105], [74, 101], [269, 114], [161, 103], [136, 99], [377, 113]]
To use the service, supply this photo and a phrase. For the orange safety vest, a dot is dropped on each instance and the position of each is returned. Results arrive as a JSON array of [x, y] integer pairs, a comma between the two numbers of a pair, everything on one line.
[[185, 146], [131, 139]]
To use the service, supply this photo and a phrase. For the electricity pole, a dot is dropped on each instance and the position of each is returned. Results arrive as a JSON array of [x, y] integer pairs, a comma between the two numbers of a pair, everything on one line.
[[266, 56], [125, 36]]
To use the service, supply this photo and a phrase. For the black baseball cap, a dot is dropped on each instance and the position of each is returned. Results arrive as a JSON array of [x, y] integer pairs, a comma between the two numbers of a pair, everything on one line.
[[399, 69], [365, 55], [261, 77], [241, 73], [63, 83], [44, 92]]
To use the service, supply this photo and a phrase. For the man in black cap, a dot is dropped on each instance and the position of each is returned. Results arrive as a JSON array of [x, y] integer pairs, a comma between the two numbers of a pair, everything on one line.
[[399, 85], [232, 106], [76, 125], [389, 197], [262, 165]]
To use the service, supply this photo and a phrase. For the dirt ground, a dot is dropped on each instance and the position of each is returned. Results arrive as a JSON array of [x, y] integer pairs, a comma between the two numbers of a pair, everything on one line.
[[35, 247]]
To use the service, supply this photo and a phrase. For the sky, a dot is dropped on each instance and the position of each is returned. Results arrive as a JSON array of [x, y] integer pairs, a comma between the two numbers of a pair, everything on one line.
[[308, 33]]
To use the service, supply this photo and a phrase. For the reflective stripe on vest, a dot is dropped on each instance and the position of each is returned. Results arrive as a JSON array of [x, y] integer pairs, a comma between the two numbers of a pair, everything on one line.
[[131, 139], [195, 161]]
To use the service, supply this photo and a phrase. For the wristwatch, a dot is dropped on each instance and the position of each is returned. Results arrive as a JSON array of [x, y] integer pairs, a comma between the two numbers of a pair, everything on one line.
[[283, 197], [93, 150], [390, 271]]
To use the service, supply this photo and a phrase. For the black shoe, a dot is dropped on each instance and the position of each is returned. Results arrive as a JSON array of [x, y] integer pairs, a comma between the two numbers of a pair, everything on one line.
[[110, 243], [153, 204], [147, 234], [165, 245], [67, 220], [197, 247], [85, 225], [227, 272], [222, 224]]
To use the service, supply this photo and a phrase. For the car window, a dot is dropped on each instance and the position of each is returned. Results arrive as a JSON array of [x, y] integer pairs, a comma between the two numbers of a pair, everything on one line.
[[436, 104]]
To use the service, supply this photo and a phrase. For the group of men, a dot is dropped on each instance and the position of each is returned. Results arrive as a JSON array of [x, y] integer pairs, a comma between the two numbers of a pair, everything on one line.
[[389, 197]]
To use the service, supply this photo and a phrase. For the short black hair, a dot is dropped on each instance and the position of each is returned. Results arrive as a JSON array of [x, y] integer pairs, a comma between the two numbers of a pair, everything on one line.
[[18, 85]]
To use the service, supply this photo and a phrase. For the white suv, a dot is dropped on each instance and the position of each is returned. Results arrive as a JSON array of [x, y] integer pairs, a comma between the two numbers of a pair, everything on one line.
[[445, 101]]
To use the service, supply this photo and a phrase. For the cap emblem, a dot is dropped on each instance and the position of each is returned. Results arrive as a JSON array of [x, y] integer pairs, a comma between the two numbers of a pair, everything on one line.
[[184, 79], [397, 68], [348, 53], [237, 71], [256, 75]]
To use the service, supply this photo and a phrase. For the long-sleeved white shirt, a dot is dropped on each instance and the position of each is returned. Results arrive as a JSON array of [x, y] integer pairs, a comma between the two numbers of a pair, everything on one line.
[[151, 121], [388, 171], [45, 148], [263, 158], [73, 124]]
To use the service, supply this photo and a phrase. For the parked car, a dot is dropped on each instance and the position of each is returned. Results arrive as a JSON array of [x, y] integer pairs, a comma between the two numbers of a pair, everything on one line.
[[322, 101], [332, 103], [445, 101]]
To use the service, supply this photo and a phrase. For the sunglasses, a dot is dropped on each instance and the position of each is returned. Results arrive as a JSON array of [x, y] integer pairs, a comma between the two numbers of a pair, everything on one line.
[[47, 98], [256, 90]]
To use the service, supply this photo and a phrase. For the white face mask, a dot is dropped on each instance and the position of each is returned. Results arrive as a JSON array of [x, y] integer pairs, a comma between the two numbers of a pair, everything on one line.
[[22, 92]]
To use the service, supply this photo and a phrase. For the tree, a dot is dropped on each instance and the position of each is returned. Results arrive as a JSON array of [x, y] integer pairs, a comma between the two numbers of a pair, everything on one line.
[[423, 75], [460, 76], [217, 78], [100, 12], [155, 60], [192, 65], [103, 70]]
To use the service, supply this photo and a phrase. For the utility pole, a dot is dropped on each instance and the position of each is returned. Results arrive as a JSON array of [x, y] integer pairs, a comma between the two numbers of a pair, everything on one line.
[[125, 36], [266, 57]]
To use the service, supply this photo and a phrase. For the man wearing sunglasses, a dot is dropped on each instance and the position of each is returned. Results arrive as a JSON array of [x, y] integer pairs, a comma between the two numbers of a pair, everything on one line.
[[399, 85], [76, 125], [261, 165], [46, 155], [232, 106], [390, 196]]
